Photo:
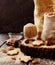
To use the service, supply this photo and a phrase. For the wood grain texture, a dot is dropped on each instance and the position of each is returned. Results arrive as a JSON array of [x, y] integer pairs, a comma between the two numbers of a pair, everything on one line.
[[3, 37], [42, 61]]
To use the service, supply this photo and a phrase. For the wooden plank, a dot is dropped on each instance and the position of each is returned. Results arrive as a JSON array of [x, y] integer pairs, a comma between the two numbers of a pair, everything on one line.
[[3, 37], [11, 63]]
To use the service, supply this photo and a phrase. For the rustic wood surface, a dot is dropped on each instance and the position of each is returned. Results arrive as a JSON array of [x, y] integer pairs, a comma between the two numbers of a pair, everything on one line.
[[4, 37]]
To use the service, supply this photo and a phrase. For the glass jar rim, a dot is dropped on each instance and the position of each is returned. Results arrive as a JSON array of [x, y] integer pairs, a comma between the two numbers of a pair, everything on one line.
[[50, 14]]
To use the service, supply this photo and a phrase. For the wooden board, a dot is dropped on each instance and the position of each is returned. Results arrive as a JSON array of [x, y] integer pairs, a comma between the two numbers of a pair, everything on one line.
[[3, 37]]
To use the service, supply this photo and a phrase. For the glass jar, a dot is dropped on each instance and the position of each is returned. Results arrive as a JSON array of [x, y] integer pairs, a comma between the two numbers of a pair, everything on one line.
[[48, 32], [40, 7]]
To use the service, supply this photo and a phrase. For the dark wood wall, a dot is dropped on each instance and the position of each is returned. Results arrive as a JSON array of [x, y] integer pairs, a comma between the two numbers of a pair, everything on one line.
[[14, 14]]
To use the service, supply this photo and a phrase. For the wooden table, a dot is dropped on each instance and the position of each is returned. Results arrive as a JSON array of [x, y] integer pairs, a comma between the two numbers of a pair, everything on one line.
[[4, 37]]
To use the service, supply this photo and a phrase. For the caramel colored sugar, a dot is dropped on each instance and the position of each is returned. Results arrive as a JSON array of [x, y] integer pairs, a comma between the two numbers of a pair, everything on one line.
[[13, 52], [3, 50], [35, 61], [10, 48], [30, 30]]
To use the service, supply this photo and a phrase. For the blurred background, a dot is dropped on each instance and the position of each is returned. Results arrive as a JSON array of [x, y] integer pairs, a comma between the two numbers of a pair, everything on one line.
[[14, 14]]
